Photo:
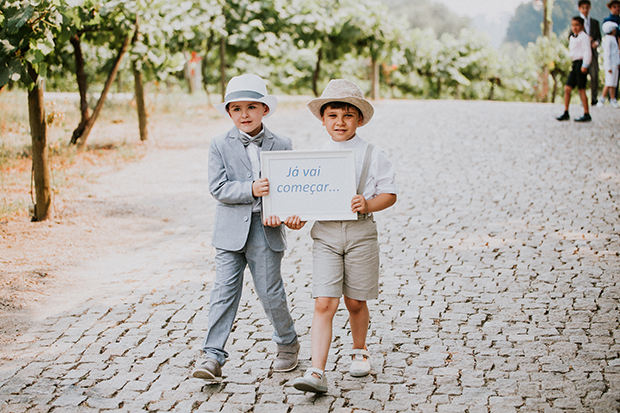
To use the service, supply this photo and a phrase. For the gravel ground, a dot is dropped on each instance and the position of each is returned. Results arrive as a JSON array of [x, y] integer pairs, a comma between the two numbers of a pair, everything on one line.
[[499, 292]]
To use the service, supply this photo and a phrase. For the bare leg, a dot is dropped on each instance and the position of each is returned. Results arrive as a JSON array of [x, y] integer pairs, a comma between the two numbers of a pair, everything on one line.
[[584, 100], [359, 318], [567, 92], [612, 93], [605, 90], [321, 336]]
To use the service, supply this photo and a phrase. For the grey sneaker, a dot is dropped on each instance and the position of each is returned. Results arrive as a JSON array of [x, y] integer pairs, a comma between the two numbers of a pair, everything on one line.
[[286, 358], [209, 370], [311, 383]]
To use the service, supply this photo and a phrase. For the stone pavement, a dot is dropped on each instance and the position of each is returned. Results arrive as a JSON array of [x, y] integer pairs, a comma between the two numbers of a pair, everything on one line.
[[499, 292]]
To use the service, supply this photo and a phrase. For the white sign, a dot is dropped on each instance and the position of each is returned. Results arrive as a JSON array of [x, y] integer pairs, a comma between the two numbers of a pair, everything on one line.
[[315, 185]]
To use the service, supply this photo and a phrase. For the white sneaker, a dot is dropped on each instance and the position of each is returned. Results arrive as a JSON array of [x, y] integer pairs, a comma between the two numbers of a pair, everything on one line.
[[600, 103], [308, 382], [360, 363], [614, 103]]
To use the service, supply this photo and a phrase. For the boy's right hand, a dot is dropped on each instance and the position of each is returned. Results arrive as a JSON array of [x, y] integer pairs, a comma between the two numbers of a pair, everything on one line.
[[260, 187], [294, 222]]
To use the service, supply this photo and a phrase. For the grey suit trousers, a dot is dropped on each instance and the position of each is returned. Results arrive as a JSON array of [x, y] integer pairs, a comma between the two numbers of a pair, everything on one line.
[[264, 266]]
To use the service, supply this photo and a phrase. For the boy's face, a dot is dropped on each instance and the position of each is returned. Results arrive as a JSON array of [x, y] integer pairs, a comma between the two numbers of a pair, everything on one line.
[[576, 27], [341, 124], [585, 9], [615, 9], [247, 116]]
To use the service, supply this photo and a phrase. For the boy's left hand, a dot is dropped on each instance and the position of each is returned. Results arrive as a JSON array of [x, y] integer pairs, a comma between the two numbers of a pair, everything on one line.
[[272, 221], [584, 70], [359, 204]]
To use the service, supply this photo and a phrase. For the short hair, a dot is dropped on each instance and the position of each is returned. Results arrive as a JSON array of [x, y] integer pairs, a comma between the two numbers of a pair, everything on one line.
[[340, 105], [588, 2], [579, 20]]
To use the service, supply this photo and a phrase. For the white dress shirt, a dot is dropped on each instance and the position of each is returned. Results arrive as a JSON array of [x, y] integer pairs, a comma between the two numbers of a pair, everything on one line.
[[579, 48], [586, 23], [381, 176], [253, 152]]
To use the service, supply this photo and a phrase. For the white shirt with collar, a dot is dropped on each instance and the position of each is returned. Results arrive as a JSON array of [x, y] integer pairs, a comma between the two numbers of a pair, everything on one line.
[[586, 23], [381, 176], [579, 48], [253, 152]]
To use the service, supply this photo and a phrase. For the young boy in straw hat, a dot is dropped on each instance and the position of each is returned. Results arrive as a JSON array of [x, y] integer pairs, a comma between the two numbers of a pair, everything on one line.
[[240, 236], [346, 253]]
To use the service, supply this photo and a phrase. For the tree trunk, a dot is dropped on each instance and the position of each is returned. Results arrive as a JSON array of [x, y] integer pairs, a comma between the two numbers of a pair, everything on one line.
[[223, 67], [40, 160], [554, 91], [374, 90], [317, 70], [81, 140], [187, 72], [140, 105], [82, 82], [546, 31], [547, 17]]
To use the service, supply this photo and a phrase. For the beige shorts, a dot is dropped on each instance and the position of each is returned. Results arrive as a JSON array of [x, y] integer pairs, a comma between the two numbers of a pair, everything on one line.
[[345, 256]]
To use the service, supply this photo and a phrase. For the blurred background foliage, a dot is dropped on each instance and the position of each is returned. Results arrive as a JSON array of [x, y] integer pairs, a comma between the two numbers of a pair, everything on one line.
[[420, 48]]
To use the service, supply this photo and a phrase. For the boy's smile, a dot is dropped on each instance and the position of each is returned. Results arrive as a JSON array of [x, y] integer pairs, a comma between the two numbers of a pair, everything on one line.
[[341, 124], [247, 115]]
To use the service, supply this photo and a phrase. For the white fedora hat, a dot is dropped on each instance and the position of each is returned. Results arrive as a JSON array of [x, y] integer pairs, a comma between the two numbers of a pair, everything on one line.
[[247, 88], [342, 90]]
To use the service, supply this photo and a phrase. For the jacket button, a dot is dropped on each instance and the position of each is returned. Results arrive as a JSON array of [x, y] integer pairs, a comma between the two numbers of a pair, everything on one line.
[[249, 175], [245, 219]]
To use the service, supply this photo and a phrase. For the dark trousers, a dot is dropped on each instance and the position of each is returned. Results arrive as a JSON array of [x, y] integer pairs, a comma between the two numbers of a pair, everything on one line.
[[594, 71]]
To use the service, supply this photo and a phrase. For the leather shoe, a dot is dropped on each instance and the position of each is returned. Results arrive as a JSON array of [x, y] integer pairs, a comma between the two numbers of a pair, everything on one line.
[[585, 118], [565, 116], [209, 370], [286, 358]]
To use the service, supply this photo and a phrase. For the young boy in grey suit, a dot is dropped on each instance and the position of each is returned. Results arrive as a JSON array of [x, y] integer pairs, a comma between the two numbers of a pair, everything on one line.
[[240, 236]]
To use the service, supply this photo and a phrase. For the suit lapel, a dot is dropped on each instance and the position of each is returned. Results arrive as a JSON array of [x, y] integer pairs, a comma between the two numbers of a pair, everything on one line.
[[233, 138], [267, 140]]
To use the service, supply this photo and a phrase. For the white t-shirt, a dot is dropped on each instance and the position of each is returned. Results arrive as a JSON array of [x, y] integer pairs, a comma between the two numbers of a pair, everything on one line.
[[381, 176]]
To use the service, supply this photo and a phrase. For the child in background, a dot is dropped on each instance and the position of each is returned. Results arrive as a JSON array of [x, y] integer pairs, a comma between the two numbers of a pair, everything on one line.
[[346, 253], [580, 52], [611, 62]]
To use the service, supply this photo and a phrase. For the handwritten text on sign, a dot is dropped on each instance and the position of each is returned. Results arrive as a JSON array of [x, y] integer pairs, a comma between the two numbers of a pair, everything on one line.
[[316, 185]]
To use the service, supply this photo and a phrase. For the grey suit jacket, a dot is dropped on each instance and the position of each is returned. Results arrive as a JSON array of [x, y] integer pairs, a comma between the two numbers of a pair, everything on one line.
[[230, 183]]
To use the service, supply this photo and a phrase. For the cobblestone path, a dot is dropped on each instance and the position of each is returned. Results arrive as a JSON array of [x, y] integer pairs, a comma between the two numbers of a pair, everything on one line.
[[500, 280]]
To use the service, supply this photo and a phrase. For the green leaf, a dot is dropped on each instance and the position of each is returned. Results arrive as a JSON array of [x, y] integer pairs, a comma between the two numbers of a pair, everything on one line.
[[43, 69], [5, 75], [6, 48], [19, 19]]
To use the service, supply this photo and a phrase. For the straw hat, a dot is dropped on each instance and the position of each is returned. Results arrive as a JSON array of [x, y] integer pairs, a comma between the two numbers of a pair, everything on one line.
[[609, 27], [612, 2], [247, 88], [342, 90]]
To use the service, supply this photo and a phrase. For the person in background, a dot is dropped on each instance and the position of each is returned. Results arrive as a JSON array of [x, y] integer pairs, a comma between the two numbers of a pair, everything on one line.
[[580, 51], [614, 16], [611, 63], [592, 29]]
